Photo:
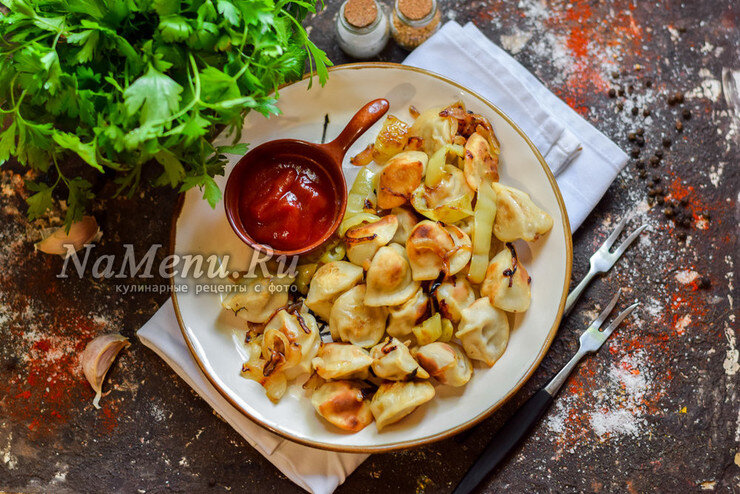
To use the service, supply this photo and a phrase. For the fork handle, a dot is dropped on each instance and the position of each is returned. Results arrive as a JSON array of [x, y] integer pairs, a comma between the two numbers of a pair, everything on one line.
[[505, 440], [577, 291]]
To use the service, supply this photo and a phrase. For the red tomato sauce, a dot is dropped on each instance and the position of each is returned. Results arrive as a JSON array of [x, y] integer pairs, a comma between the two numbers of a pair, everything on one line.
[[287, 202]]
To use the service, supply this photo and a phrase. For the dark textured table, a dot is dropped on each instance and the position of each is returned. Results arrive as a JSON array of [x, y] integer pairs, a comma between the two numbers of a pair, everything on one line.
[[655, 410]]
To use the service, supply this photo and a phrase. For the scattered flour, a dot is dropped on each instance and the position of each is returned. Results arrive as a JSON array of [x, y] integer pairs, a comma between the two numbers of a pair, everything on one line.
[[686, 276]]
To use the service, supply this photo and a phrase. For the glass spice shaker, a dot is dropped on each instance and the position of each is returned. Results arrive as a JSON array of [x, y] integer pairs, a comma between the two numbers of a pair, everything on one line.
[[362, 28], [414, 21]]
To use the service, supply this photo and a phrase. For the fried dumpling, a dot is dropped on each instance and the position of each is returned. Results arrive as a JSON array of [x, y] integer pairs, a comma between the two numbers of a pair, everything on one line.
[[392, 360], [406, 222], [394, 400], [434, 130], [449, 201], [517, 216], [483, 331], [364, 241], [300, 345], [400, 177], [403, 318], [330, 281], [507, 283], [453, 296], [433, 248], [343, 404], [342, 361], [445, 362], [463, 249], [352, 321], [479, 161], [391, 139], [255, 301], [388, 278]]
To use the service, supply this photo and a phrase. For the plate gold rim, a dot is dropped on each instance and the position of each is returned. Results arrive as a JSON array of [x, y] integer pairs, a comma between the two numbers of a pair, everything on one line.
[[483, 415]]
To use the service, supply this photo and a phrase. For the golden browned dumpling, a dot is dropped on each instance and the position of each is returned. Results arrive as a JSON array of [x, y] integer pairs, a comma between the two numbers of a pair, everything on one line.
[[507, 283], [517, 216], [479, 161], [364, 241], [463, 249], [434, 130], [483, 331], [433, 248], [342, 361], [343, 404], [406, 221], [330, 281], [453, 296], [394, 400], [445, 362], [255, 301], [389, 278], [391, 139], [301, 342], [352, 321], [449, 201], [400, 177], [405, 317], [392, 360]]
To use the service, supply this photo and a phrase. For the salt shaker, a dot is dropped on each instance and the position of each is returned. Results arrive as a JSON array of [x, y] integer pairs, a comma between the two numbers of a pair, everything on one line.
[[362, 28], [414, 21]]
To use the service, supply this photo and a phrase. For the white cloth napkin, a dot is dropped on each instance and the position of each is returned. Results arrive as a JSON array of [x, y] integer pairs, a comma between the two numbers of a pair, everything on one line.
[[584, 161]]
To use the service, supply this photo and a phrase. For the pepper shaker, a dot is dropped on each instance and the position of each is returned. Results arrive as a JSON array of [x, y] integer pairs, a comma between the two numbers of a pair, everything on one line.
[[362, 28], [414, 21]]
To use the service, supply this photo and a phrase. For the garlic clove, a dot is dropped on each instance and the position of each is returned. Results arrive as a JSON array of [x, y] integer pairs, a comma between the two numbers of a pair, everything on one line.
[[80, 233], [98, 357]]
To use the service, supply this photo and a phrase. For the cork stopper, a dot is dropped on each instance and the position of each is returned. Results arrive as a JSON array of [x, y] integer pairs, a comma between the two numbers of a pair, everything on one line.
[[360, 13], [415, 9]]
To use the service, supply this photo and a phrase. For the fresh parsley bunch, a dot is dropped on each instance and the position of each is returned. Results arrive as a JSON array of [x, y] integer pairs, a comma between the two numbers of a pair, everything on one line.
[[129, 84]]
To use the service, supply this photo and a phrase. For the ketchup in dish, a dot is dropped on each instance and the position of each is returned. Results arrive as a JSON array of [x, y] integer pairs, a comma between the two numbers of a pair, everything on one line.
[[287, 202]]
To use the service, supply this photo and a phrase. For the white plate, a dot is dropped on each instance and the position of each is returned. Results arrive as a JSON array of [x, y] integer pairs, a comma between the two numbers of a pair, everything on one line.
[[214, 335]]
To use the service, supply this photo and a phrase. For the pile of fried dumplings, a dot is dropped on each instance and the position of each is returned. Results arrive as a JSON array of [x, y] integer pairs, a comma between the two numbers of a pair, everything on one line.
[[414, 290]]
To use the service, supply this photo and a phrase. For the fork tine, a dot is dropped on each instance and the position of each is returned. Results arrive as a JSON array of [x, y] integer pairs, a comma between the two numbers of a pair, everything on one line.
[[620, 250], [613, 235], [605, 313], [613, 325]]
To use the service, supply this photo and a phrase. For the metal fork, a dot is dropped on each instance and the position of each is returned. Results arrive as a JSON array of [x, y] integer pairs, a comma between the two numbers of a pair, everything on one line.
[[602, 261], [529, 414]]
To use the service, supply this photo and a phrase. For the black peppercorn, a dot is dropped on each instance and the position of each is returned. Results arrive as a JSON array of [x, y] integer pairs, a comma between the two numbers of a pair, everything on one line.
[[686, 114], [651, 192], [704, 283], [620, 91], [632, 137], [635, 153], [640, 165], [631, 89], [684, 201], [651, 201], [643, 174], [612, 93], [640, 141], [669, 212], [679, 98], [646, 112], [661, 200], [659, 191], [656, 179], [635, 110], [640, 131], [649, 83], [681, 236], [654, 160], [666, 142], [659, 153], [615, 74], [620, 106]]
